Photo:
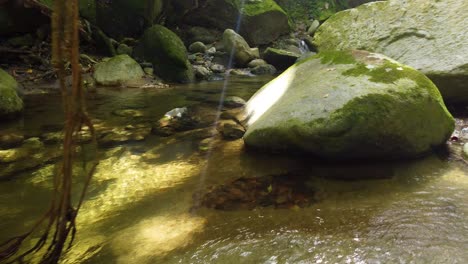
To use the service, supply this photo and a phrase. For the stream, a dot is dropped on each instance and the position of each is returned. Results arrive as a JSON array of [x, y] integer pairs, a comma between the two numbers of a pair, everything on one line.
[[141, 206]]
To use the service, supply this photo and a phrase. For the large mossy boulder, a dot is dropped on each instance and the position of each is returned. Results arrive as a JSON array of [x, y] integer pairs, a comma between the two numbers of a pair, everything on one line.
[[430, 36], [349, 105], [262, 21], [167, 52], [118, 70], [10, 103]]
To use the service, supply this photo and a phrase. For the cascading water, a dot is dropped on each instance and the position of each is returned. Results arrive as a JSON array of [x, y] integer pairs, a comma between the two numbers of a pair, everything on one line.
[[303, 47]]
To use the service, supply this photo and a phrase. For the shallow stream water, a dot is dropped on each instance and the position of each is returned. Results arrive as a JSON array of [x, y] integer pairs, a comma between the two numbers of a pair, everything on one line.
[[140, 206]]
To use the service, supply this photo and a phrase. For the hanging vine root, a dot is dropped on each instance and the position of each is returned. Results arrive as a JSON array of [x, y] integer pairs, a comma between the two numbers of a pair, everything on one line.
[[58, 225]]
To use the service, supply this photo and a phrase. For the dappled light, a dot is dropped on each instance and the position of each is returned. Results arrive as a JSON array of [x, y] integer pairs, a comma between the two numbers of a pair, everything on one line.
[[262, 101]]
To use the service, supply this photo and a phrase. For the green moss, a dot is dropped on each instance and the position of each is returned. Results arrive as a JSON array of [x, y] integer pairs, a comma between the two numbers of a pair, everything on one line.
[[10, 103], [391, 72], [336, 57], [167, 52]]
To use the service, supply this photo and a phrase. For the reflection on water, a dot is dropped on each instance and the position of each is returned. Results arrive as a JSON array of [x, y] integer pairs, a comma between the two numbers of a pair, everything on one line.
[[138, 206]]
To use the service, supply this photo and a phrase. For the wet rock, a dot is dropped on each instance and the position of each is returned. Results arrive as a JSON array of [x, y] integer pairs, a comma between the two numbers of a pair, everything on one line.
[[10, 140], [124, 49], [240, 72], [281, 59], [280, 191], [217, 68], [178, 119], [313, 27], [243, 54], [10, 103], [234, 101], [211, 51], [256, 62], [266, 69], [201, 72], [119, 70], [197, 47], [231, 130]]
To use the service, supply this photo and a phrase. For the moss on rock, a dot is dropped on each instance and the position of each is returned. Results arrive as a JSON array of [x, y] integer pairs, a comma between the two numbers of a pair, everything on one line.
[[167, 52], [426, 35], [346, 105], [10, 103]]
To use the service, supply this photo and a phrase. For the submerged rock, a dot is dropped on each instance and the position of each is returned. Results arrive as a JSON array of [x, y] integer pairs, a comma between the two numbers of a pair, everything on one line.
[[118, 71], [430, 36], [230, 130], [266, 69], [29, 155], [279, 191], [234, 42], [167, 52], [347, 105], [233, 101], [10, 103]]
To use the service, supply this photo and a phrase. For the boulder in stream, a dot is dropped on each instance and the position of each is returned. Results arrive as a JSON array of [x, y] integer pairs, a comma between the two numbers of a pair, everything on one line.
[[167, 52], [118, 71], [430, 36], [10, 103], [349, 105]]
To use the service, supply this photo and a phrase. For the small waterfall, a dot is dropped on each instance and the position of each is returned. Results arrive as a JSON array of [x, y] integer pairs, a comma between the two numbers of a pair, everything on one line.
[[303, 47]]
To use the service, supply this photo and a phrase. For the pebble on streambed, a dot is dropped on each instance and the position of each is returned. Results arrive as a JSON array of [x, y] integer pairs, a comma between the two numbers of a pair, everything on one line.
[[278, 191]]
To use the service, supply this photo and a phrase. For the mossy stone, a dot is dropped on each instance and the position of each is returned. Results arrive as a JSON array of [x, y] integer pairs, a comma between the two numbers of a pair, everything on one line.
[[10, 103], [429, 36], [349, 105], [118, 71], [167, 52]]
